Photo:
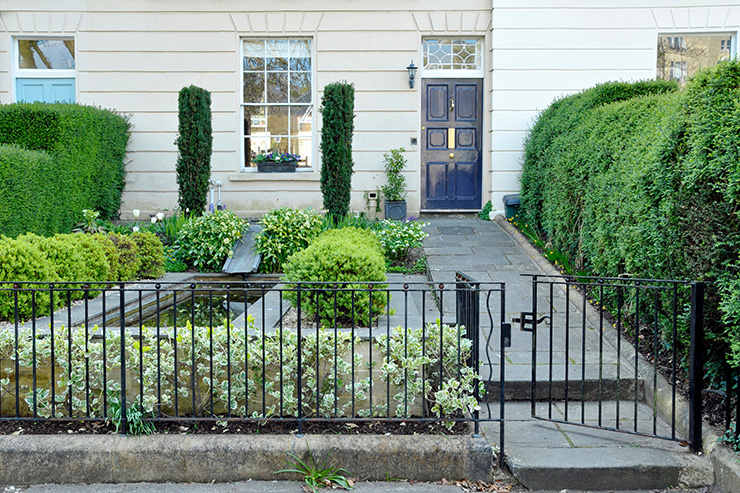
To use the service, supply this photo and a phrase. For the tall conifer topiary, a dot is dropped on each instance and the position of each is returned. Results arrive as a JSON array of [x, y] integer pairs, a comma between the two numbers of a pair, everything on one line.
[[337, 110], [194, 144]]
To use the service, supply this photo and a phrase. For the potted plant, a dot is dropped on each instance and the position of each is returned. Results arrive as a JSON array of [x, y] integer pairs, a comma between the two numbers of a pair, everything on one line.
[[395, 190], [275, 162]]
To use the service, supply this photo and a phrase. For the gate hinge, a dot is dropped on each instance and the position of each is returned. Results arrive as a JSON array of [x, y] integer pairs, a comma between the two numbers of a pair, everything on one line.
[[527, 321]]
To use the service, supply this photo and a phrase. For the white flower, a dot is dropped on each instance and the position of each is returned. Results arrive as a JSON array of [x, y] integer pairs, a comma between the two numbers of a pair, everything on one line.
[[160, 215], [135, 229], [153, 219], [136, 212]]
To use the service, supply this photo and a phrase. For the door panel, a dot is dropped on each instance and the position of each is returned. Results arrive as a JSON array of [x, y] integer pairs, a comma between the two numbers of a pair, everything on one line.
[[451, 139], [45, 90]]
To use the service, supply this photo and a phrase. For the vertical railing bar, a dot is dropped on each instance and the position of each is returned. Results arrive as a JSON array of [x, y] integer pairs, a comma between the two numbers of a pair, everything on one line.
[[141, 350], [619, 352], [52, 382], [405, 349], [158, 300], [424, 348], [336, 354], [550, 356], [601, 349], [246, 346], [122, 328], [210, 350], [583, 356], [637, 350], [280, 346], [228, 350], [696, 366], [264, 352], [567, 345], [502, 378], [86, 295], [105, 353], [300, 362], [441, 343], [352, 345], [16, 322], [737, 405], [69, 349], [674, 357], [318, 353], [174, 345], [387, 353], [656, 328], [533, 385], [193, 371]]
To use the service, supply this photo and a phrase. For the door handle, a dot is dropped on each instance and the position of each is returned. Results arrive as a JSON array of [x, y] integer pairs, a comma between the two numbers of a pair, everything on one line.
[[452, 155], [452, 103]]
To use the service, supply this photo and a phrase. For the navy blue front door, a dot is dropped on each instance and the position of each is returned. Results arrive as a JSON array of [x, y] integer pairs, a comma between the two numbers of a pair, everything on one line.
[[451, 165]]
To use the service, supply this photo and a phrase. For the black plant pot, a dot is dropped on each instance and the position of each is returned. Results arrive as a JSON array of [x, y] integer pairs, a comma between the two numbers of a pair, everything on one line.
[[395, 209], [273, 167]]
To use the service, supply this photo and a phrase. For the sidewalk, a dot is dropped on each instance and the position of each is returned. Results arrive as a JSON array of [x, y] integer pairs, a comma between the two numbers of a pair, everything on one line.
[[543, 454]]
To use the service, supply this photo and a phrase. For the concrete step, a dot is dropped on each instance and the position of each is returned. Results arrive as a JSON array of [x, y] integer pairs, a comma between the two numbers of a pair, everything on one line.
[[547, 455]]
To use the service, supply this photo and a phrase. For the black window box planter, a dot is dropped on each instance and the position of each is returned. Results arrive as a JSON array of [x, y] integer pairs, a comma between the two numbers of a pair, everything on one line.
[[272, 167]]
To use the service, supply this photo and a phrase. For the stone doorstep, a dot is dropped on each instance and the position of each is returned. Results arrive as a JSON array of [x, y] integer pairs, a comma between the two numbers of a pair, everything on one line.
[[218, 458]]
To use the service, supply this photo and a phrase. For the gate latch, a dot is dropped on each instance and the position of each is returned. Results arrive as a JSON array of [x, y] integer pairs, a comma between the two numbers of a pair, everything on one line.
[[527, 321]]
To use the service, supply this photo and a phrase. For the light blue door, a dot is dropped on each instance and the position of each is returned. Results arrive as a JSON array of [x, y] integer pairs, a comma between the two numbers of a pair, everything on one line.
[[45, 90]]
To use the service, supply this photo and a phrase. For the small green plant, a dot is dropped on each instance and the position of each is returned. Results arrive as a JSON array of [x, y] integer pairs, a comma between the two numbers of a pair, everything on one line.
[[276, 157], [91, 223], [168, 227], [398, 237], [205, 242], [486, 211], [317, 475], [285, 232], [135, 423], [172, 261], [394, 162], [730, 438]]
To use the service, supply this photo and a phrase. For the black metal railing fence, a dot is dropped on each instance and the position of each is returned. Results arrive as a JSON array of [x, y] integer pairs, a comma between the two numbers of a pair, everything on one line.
[[246, 351]]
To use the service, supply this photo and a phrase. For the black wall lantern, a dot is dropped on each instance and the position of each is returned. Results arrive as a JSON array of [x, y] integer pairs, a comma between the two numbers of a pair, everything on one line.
[[412, 74]]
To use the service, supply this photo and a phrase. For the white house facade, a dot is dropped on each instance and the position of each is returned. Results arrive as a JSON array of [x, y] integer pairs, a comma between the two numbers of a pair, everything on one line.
[[485, 70]]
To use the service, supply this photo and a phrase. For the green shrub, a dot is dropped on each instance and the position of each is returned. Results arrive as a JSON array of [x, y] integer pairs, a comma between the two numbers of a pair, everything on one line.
[[128, 256], [647, 186], [87, 146], [112, 255], [337, 109], [22, 261], [205, 242], [31, 197], [340, 255], [285, 232], [151, 255], [194, 144], [485, 213]]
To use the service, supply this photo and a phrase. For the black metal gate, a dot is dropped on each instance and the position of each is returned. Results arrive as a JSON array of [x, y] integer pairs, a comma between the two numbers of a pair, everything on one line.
[[605, 353]]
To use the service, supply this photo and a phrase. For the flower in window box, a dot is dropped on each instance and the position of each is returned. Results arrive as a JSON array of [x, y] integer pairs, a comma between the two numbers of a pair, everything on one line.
[[273, 162]]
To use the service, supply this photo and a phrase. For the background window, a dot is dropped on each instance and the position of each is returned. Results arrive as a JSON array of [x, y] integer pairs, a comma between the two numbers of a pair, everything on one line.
[[680, 57], [277, 98], [45, 70]]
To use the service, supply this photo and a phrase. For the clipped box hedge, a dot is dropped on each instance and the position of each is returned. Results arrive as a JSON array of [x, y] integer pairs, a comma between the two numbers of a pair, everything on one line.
[[647, 185], [78, 164]]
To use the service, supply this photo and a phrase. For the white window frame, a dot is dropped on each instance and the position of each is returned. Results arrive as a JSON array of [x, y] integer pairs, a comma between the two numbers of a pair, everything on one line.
[[29, 73], [313, 103], [454, 73]]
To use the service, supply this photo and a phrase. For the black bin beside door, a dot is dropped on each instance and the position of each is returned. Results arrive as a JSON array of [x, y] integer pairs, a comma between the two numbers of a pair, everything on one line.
[[451, 164]]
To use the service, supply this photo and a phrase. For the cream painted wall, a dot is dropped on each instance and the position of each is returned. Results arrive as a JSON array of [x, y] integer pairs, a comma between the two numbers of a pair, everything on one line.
[[543, 49], [134, 57]]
